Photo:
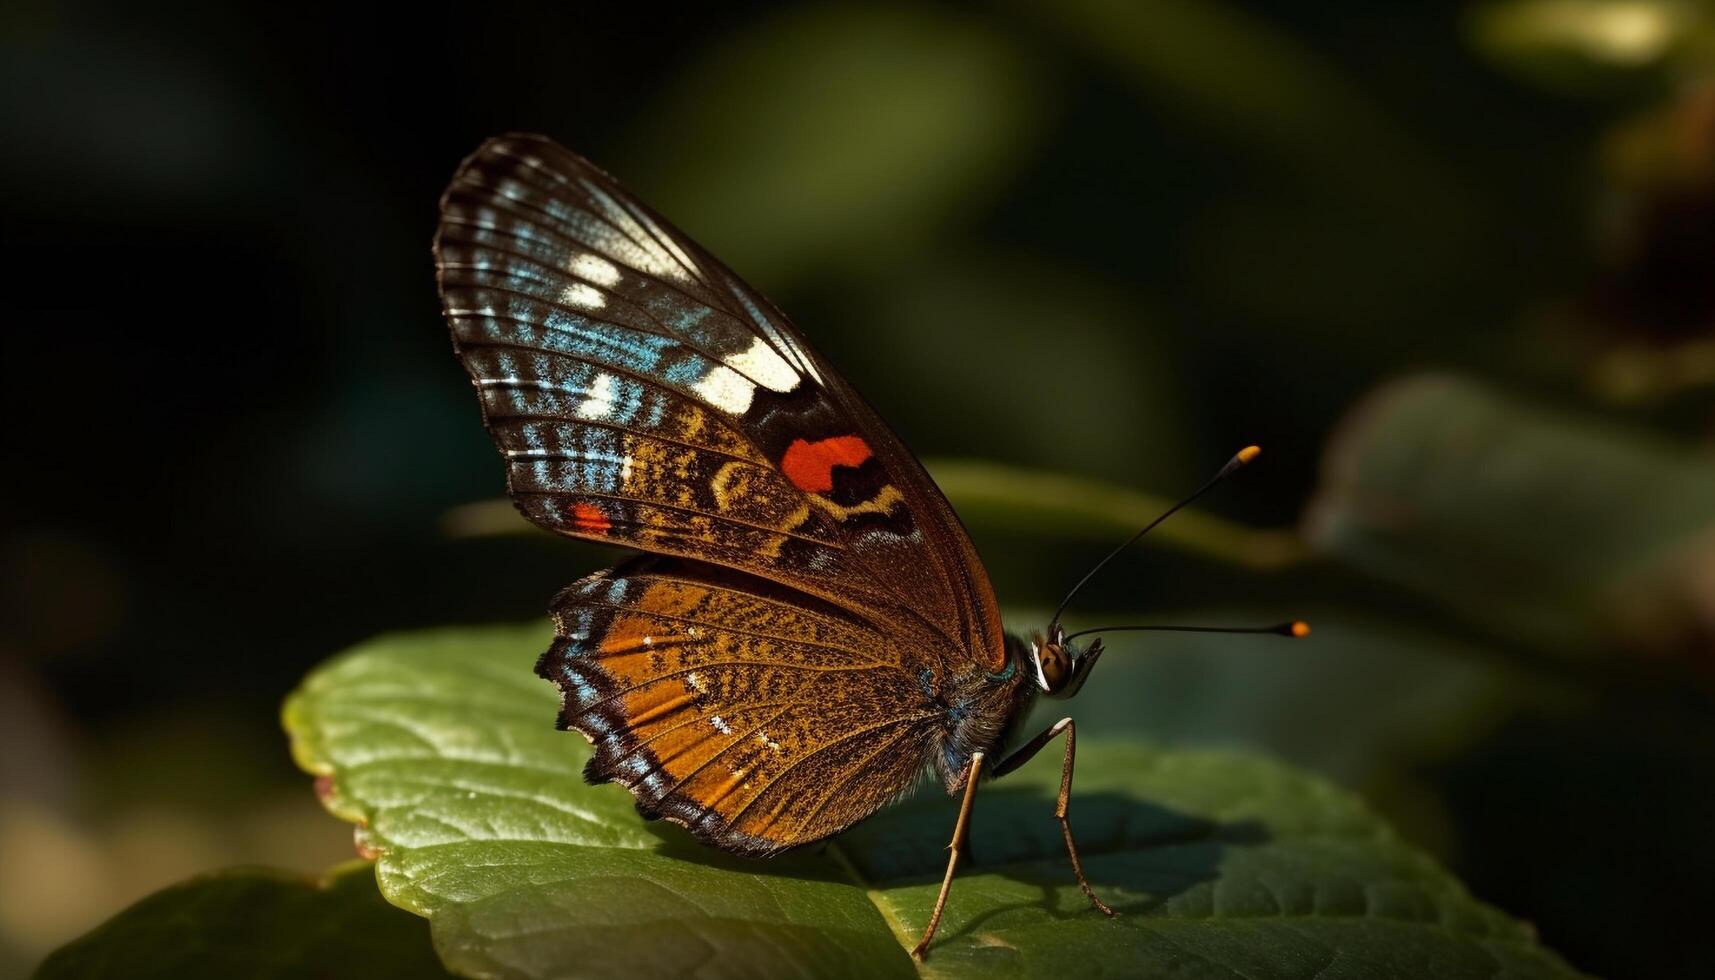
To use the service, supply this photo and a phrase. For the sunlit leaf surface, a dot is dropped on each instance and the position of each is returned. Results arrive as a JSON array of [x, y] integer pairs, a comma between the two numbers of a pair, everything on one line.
[[439, 745]]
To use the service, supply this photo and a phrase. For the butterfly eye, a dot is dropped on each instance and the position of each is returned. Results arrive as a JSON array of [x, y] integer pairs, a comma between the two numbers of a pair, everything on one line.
[[1053, 667]]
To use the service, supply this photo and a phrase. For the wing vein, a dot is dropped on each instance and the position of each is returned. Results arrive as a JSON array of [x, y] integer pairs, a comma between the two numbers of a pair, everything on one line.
[[824, 747], [737, 631], [678, 508]]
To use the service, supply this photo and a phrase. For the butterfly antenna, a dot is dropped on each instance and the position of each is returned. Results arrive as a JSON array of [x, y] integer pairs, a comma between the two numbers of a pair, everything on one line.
[[1239, 459], [1298, 629]]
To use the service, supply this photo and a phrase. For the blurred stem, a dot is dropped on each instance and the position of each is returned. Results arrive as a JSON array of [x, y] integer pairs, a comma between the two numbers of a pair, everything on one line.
[[994, 496], [485, 519]]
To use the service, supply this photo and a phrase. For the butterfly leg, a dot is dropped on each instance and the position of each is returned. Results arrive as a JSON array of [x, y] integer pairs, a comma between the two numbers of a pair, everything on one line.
[[961, 829], [1025, 753]]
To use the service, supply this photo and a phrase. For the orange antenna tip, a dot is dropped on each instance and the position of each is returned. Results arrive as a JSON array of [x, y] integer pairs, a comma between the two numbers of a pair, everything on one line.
[[1300, 629], [1243, 456]]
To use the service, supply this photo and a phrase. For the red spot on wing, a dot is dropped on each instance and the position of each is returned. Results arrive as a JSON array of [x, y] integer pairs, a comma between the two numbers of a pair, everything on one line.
[[810, 465], [589, 518]]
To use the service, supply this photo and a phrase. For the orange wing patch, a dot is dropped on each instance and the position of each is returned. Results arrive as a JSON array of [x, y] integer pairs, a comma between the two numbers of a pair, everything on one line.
[[757, 722], [589, 518], [810, 465]]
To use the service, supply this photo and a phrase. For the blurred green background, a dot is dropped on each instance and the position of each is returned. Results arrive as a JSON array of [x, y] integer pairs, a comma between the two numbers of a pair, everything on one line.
[[1453, 266]]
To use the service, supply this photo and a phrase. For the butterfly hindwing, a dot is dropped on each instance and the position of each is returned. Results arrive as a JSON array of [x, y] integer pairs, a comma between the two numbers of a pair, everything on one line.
[[757, 719]]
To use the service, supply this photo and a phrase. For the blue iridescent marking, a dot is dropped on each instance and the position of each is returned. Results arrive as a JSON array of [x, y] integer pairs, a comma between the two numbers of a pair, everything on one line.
[[600, 444], [595, 463], [581, 635], [542, 251], [959, 710], [585, 690], [627, 401], [559, 210], [688, 317], [504, 223], [542, 475], [608, 341], [687, 371], [611, 212], [641, 772]]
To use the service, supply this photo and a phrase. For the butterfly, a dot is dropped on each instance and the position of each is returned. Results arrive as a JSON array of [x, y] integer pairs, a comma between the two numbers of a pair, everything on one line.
[[807, 627]]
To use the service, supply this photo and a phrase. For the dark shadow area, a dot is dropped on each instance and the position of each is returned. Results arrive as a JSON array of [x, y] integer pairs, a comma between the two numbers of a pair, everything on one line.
[[1616, 808], [1015, 825], [1013, 833]]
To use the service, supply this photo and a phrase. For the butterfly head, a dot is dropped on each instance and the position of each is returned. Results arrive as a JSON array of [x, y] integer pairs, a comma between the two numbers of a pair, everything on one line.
[[1060, 666]]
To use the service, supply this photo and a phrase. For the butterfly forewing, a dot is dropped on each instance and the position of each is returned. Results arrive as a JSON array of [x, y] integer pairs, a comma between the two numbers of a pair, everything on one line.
[[644, 396]]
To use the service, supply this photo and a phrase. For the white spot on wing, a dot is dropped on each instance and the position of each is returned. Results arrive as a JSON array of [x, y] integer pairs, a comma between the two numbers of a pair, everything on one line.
[[726, 390], [599, 402], [761, 363], [633, 243], [583, 296], [594, 268], [720, 725], [661, 265]]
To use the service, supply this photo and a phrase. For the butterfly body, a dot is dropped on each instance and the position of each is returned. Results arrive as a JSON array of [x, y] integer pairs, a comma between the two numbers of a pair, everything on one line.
[[808, 628], [982, 712]]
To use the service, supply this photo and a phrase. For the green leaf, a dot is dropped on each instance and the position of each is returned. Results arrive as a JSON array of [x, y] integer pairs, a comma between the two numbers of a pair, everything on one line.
[[440, 746], [259, 924], [1565, 533], [838, 133]]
